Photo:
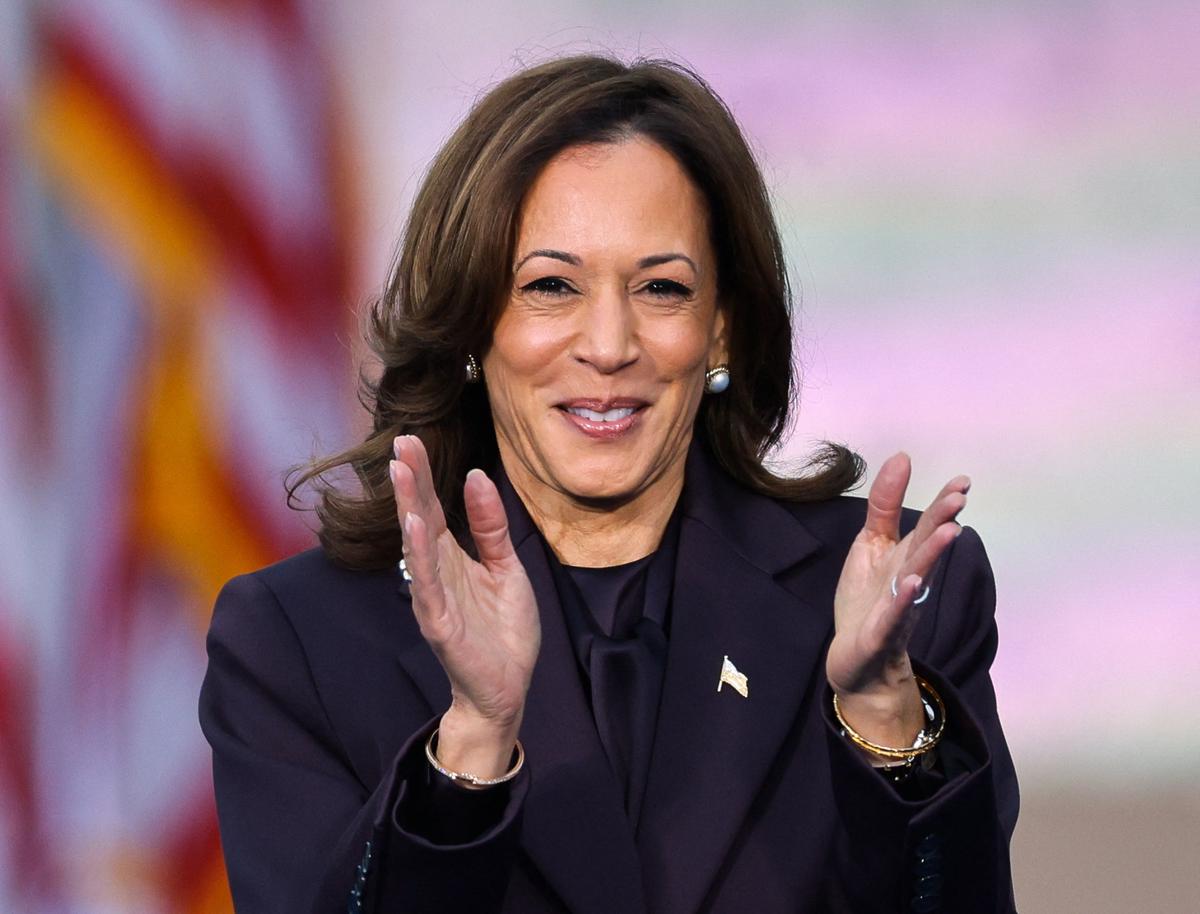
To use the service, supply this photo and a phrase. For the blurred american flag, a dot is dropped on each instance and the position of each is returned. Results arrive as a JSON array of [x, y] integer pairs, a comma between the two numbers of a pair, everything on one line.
[[174, 273]]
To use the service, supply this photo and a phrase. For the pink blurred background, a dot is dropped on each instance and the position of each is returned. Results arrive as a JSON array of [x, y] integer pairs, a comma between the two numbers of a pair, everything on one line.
[[992, 211]]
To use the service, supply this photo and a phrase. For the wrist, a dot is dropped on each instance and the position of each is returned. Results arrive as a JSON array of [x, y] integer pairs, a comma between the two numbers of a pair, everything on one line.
[[889, 716], [472, 743], [880, 755]]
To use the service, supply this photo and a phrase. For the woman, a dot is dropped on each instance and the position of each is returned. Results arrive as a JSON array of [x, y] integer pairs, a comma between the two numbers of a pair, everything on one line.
[[622, 666]]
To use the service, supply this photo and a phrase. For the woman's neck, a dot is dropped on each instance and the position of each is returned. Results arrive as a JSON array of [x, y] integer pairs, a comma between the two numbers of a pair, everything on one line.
[[595, 535]]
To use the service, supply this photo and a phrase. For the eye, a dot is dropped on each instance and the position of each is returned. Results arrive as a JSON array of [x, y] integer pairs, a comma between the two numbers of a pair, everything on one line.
[[548, 287], [667, 289]]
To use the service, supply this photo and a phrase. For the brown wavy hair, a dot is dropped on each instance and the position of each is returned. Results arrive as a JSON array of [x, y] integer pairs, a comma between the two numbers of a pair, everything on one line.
[[454, 268]]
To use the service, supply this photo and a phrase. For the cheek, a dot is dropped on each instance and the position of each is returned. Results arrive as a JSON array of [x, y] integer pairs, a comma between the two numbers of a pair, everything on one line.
[[522, 354], [680, 348]]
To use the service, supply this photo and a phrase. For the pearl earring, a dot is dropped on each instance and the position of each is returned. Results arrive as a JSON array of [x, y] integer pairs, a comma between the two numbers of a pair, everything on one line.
[[716, 380]]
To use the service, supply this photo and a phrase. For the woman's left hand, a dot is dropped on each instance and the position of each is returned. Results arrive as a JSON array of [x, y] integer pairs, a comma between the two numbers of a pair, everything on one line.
[[868, 665]]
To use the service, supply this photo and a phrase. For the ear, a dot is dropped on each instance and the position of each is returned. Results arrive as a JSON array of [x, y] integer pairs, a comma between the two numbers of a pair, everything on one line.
[[718, 350]]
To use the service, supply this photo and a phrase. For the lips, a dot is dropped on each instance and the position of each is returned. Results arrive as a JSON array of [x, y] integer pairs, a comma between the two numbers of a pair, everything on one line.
[[603, 418]]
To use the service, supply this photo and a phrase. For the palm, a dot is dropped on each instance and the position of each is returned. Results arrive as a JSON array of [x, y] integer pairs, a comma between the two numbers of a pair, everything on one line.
[[490, 640], [480, 617], [872, 627]]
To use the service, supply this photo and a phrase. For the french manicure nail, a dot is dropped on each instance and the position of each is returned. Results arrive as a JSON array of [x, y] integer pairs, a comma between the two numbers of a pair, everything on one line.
[[406, 524], [396, 446]]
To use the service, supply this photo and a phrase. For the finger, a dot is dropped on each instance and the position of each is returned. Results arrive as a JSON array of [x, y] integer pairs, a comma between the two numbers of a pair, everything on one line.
[[886, 498], [945, 506], [894, 625], [404, 487], [447, 554], [925, 556], [488, 522], [428, 594], [410, 450], [408, 500]]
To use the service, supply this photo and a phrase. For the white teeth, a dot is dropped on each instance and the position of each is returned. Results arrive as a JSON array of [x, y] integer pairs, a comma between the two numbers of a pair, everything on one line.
[[613, 415]]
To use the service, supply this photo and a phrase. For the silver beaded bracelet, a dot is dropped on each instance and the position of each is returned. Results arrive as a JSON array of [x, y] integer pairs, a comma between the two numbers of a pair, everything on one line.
[[471, 779]]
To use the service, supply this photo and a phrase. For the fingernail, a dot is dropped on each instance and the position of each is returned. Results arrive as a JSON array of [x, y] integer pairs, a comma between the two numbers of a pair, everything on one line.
[[392, 470], [396, 446], [406, 524]]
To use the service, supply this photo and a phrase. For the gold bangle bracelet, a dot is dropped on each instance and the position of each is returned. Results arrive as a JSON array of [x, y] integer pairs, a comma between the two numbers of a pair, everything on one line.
[[929, 736], [463, 777]]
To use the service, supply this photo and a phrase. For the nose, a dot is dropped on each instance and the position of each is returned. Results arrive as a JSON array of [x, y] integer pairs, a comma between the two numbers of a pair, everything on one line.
[[606, 337]]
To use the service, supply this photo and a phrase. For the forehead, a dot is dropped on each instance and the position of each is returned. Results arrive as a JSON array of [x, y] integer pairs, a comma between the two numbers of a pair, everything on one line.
[[627, 195]]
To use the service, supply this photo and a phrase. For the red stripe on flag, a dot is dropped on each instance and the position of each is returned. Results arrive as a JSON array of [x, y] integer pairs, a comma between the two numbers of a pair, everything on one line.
[[30, 864], [193, 859], [23, 354], [22, 351], [302, 278]]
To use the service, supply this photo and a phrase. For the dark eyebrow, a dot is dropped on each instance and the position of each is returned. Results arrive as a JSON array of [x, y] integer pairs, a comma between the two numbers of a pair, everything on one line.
[[553, 255], [655, 260]]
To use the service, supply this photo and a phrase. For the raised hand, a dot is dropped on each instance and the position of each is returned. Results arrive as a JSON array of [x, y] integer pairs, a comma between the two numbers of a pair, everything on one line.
[[479, 617], [867, 664]]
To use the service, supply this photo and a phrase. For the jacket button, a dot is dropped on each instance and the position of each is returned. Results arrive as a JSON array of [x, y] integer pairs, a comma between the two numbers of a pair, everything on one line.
[[924, 904], [927, 866], [928, 844], [928, 885]]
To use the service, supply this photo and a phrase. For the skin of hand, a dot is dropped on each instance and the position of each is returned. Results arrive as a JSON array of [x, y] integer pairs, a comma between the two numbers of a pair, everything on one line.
[[480, 617], [868, 665]]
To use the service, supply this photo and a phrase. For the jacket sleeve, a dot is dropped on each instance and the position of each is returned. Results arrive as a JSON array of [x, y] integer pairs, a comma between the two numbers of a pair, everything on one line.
[[950, 850], [300, 831]]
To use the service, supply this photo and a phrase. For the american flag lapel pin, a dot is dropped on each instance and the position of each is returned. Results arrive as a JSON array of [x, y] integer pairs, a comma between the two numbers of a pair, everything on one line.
[[732, 676]]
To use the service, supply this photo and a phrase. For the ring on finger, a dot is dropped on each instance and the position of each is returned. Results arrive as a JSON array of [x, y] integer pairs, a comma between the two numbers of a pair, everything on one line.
[[407, 575], [921, 599]]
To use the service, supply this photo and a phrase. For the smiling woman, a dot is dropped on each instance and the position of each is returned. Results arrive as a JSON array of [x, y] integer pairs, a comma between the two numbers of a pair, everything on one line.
[[456, 274], [497, 685]]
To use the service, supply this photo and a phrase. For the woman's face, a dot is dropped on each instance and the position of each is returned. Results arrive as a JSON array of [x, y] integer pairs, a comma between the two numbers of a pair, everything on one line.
[[597, 363]]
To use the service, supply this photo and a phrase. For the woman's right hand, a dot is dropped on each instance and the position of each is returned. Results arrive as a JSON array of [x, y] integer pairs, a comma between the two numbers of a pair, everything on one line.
[[480, 617]]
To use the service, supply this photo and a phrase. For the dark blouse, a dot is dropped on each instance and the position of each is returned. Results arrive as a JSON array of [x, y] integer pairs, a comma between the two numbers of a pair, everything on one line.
[[618, 619]]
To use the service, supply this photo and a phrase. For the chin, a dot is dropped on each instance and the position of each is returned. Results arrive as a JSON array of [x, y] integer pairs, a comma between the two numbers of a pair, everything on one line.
[[603, 479], [592, 490]]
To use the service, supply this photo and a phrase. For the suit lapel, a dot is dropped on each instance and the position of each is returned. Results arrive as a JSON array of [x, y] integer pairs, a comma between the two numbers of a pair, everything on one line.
[[713, 750]]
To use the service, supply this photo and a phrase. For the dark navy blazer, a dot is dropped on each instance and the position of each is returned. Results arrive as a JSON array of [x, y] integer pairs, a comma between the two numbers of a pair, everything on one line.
[[320, 693]]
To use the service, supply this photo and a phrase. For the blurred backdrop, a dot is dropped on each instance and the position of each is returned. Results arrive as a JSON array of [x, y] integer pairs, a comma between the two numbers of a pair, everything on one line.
[[992, 211]]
